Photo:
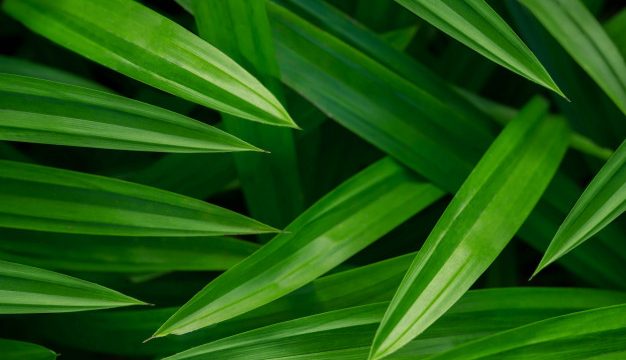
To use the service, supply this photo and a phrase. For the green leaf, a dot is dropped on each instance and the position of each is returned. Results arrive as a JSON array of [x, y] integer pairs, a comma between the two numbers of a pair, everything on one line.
[[601, 203], [42, 198], [400, 38], [581, 335], [240, 28], [346, 333], [477, 25], [17, 66], [484, 215], [344, 222], [26, 290], [152, 49], [42, 111], [19, 350], [420, 130], [67, 252], [576, 29]]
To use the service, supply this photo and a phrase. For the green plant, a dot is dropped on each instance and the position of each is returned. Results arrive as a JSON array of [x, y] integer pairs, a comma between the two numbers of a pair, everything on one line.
[[310, 179]]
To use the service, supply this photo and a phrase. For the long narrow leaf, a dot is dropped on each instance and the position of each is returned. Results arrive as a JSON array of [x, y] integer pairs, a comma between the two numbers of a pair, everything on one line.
[[19, 350], [42, 111], [602, 202], [25, 289], [69, 252], [42, 198], [484, 215], [582, 335], [576, 29], [262, 176], [153, 49], [346, 333], [477, 25], [325, 235]]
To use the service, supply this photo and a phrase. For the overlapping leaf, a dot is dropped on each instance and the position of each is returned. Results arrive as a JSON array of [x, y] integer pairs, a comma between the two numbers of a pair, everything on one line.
[[25, 289], [477, 25], [42, 198], [576, 29], [19, 350], [596, 333], [42, 111], [346, 333], [345, 221], [153, 49], [486, 212], [602, 202], [69, 252], [261, 176]]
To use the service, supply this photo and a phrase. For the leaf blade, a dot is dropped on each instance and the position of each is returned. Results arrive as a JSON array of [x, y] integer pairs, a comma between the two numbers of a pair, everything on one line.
[[603, 201], [335, 222], [27, 290], [477, 25], [16, 350], [41, 198], [154, 50], [496, 192], [42, 111]]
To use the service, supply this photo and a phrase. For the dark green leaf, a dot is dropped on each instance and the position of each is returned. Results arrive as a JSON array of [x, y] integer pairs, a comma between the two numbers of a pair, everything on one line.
[[42, 198], [19, 350]]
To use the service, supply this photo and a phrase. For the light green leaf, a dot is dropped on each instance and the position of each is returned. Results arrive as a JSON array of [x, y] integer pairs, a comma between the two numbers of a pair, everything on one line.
[[42, 198], [152, 49], [477, 25], [19, 350], [26, 290], [240, 28], [601, 203], [484, 215], [582, 335], [42, 111], [576, 29], [68, 252], [346, 333], [345, 221]]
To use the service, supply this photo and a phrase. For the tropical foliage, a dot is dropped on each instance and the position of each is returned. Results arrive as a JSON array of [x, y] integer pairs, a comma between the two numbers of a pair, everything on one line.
[[313, 179]]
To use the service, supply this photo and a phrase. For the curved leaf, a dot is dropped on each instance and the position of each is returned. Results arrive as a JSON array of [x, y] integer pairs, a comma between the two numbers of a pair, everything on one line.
[[484, 215], [582, 335], [477, 25], [346, 333], [576, 29], [602, 202], [69, 252], [153, 49], [345, 221], [19, 350], [25, 290], [36, 197], [42, 111]]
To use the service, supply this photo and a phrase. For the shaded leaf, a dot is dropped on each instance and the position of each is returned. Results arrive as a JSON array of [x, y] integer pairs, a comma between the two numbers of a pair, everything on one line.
[[601, 203], [42, 111], [152, 49], [582, 335], [25, 289], [68, 252], [477, 25], [346, 333], [43, 198], [240, 28], [576, 29], [345, 221], [484, 215], [19, 350]]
